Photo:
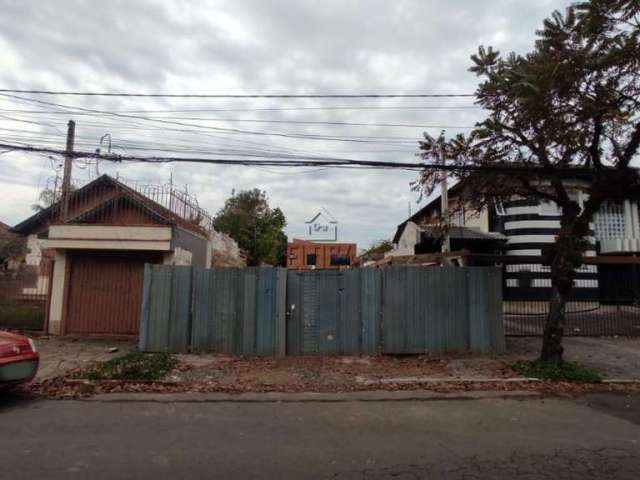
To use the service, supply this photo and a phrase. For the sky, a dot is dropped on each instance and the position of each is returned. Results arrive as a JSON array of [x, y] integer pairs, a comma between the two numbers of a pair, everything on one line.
[[248, 47]]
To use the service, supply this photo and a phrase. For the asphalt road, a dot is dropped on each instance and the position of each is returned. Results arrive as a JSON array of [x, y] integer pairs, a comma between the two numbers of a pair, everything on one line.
[[595, 437]]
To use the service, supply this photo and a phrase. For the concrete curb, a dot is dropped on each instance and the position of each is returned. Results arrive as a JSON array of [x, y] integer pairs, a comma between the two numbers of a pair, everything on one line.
[[405, 380], [311, 397], [427, 380]]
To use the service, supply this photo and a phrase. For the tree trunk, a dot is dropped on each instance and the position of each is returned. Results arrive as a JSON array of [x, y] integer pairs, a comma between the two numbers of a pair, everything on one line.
[[566, 258], [552, 349]]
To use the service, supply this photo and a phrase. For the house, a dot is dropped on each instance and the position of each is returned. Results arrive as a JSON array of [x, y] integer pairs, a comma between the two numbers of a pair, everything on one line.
[[307, 255], [423, 232], [98, 242], [524, 227]]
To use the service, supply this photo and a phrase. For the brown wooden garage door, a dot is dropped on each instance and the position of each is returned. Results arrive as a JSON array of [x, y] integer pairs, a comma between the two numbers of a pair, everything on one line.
[[105, 292]]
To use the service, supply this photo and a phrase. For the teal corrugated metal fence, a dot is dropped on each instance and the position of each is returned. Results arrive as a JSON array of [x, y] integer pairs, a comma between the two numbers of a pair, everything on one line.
[[269, 311], [442, 310]]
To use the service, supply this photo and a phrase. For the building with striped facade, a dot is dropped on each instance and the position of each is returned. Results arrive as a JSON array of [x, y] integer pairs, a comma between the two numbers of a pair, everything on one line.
[[530, 227]]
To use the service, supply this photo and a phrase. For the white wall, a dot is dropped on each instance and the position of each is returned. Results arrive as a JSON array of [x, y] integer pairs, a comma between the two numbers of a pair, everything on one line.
[[57, 293]]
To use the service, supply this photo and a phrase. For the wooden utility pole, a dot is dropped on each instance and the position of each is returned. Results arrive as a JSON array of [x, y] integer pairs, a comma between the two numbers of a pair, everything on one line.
[[68, 162], [444, 208]]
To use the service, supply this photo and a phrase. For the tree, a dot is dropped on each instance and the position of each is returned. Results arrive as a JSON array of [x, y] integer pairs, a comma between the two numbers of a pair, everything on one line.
[[569, 108], [11, 246], [47, 198], [247, 218], [379, 247]]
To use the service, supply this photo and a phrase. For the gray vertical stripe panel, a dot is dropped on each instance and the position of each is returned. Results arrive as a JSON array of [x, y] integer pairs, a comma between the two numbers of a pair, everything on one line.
[[269, 311]]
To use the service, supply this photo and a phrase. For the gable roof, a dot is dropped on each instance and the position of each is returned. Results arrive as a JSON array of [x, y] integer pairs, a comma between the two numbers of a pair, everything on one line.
[[420, 214], [124, 193]]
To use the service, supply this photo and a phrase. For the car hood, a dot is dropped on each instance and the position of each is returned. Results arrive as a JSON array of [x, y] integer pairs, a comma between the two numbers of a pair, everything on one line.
[[7, 338]]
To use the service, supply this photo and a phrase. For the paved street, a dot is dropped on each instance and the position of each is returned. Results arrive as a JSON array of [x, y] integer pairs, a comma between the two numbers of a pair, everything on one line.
[[594, 437]]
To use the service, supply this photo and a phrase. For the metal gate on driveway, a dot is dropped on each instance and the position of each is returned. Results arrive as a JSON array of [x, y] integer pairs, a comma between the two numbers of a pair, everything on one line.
[[333, 312]]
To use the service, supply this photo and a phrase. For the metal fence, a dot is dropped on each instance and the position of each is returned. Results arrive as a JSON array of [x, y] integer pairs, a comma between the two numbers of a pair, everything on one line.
[[226, 310], [23, 296], [600, 317], [605, 301], [267, 311]]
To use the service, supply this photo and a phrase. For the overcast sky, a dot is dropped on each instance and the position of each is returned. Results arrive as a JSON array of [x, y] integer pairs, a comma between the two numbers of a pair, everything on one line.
[[243, 47]]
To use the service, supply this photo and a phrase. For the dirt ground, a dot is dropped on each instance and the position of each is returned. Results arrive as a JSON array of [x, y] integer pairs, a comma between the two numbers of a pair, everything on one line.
[[333, 373], [60, 355], [612, 357]]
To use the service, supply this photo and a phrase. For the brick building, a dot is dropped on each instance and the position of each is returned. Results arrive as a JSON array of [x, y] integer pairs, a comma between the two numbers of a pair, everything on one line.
[[305, 255]]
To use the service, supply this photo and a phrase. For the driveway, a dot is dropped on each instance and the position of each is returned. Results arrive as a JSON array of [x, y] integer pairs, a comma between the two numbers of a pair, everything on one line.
[[454, 439]]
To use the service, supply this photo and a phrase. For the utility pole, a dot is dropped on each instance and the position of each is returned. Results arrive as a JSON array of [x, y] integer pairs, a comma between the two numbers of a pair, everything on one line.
[[68, 161], [444, 207]]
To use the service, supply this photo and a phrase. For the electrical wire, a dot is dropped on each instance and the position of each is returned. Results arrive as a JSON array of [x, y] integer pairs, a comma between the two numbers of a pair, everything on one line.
[[316, 162], [337, 138], [197, 95], [274, 109]]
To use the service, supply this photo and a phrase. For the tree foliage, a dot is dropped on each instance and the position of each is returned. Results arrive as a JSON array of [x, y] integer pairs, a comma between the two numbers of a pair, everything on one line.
[[46, 198], [567, 109], [247, 218], [377, 248]]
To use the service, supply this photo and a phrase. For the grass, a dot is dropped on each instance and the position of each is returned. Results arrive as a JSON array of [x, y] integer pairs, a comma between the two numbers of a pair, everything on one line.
[[21, 317], [132, 366], [566, 371]]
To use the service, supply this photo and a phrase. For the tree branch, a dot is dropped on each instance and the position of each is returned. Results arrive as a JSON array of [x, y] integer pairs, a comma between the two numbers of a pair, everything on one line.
[[632, 147]]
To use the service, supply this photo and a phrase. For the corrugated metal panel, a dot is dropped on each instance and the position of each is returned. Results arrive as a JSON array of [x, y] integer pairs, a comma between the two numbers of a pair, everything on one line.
[[485, 310], [442, 310], [165, 319], [333, 312], [370, 309]]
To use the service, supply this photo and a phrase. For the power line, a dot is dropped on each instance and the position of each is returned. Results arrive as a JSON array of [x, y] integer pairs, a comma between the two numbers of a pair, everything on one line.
[[293, 122], [299, 161], [274, 109], [206, 127], [199, 95], [315, 162]]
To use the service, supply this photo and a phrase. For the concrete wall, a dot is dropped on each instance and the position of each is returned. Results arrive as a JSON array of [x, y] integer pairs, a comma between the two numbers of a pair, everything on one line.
[[179, 257], [198, 246], [57, 293]]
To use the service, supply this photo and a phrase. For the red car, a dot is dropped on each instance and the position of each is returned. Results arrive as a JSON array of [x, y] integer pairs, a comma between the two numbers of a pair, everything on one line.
[[18, 359]]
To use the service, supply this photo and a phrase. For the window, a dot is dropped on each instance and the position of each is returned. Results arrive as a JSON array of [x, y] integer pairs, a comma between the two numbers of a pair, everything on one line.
[[340, 260], [311, 259], [609, 221], [526, 278]]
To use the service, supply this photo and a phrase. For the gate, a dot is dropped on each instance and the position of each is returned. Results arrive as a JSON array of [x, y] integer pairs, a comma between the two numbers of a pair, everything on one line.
[[333, 312], [105, 293]]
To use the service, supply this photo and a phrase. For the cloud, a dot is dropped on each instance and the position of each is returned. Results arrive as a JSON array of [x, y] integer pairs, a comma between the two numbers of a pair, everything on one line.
[[242, 46]]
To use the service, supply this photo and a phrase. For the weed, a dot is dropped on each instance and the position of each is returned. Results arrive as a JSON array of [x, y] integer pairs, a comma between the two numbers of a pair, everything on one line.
[[566, 371], [132, 366]]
